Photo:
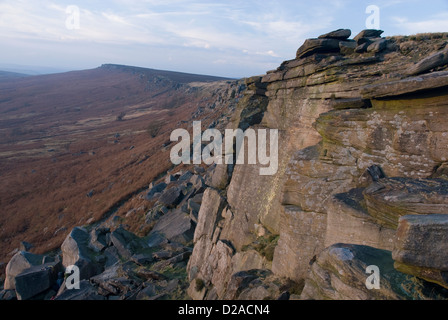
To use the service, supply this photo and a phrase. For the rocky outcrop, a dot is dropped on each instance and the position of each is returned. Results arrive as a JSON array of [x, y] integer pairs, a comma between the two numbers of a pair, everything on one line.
[[360, 141]]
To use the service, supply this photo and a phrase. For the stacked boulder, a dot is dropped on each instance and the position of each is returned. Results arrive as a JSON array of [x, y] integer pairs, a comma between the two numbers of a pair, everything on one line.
[[338, 41]]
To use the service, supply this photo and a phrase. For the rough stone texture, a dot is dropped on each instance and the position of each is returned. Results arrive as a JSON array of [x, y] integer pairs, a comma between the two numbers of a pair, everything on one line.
[[421, 247], [21, 261], [312, 46], [127, 243], [433, 61], [339, 273], [388, 199], [175, 226], [368, 33], [302, 237], [339, 114], [75, 251], [86, 292], [340, 34], [36, 279], [430, 81]]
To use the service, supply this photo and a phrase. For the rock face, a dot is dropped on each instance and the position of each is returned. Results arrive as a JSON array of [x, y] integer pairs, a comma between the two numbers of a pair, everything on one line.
[[421, 247], [361, 144], [340, 272]]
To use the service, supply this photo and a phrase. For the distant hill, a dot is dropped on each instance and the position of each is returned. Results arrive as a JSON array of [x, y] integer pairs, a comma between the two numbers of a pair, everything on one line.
[[6, 75], [180, 77], [73, 145]]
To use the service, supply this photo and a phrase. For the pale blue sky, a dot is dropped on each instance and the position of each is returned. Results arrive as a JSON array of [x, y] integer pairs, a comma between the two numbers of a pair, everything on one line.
[[226, 38]]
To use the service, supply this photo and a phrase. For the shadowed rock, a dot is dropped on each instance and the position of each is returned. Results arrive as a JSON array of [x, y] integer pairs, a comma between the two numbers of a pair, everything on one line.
[[421, 248], [390, 198], [433, 61], [368, 33], [339, 273]]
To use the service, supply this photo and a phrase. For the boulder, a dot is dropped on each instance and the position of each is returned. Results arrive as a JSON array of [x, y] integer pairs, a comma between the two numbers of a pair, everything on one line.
[[99, 239], [36, 279], [127, 243], [378, 46], [312, 46], [174, 226], [339, 34], [220, 177], [114, 281], [340, 272], [158, 188], [362, 47], [171, 197], [421, 247], [21, 261], [435, 60], [368, 33], [75, 251]]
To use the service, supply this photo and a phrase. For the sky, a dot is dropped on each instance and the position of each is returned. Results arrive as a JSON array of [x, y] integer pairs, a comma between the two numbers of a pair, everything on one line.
[[224, 38]]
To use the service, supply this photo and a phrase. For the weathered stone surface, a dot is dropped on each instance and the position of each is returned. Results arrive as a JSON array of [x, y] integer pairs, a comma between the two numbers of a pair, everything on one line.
[[86, 292], [211, 207], [220, 177], [340, 34], [390, 198], [36, 279], [99, 239], [378, 46], [171, 197], [19, 262], [312, 46], [349, 222], [430, 81], [433, 61], [421, 247], [339, 273], [302, 237], [75, 251], [127, 243], [157, 189], [347, 47], [175, 226], [368, 33]]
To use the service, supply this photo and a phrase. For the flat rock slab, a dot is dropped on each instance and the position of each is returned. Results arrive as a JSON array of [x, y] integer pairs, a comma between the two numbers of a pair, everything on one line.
[[390, 198], [430, 81]]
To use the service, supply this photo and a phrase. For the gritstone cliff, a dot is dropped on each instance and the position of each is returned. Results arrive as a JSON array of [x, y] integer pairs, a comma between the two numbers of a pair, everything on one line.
[[362, 181]]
